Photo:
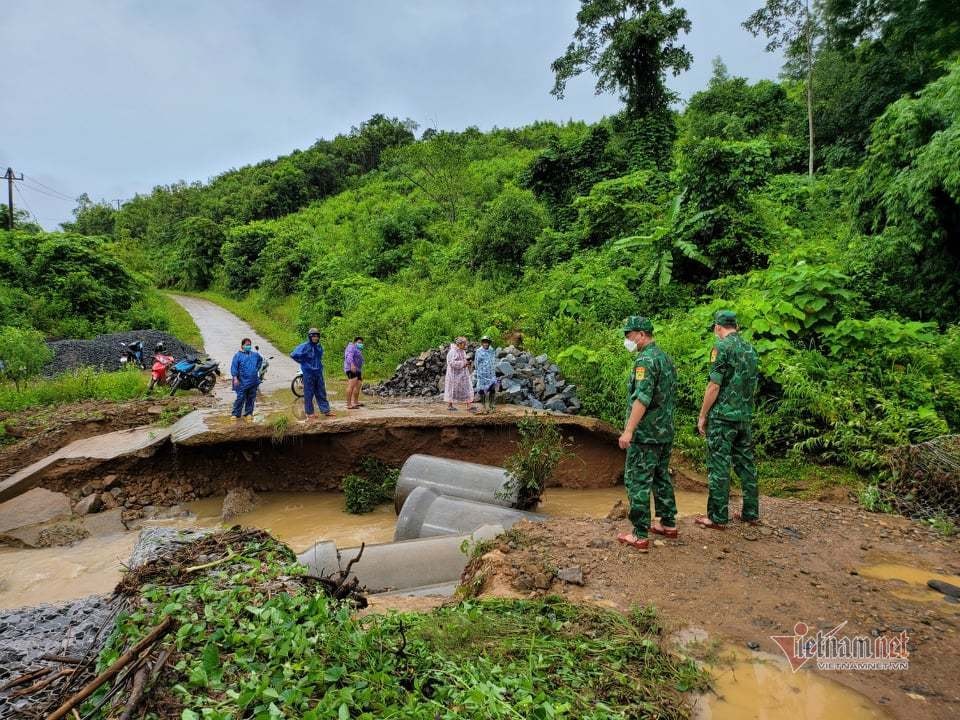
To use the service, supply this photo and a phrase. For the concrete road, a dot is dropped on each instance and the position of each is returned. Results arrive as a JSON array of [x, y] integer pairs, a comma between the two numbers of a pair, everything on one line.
[[222, 332]]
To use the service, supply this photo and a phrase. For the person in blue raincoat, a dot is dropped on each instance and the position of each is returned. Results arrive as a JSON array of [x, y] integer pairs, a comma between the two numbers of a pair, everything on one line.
[[244, 369], [310, 357]]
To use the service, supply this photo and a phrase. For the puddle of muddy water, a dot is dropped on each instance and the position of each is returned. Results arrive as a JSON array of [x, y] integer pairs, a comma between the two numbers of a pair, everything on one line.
[[759, 686], [43, 575], [913, 579]]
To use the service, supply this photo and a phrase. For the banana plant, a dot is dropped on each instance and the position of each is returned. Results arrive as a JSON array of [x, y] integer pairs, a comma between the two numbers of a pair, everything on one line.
[[668, 239]]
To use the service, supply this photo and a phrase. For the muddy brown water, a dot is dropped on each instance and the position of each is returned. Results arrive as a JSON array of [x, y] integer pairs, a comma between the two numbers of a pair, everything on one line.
[[31, 576], [910, 583], [760, 686]]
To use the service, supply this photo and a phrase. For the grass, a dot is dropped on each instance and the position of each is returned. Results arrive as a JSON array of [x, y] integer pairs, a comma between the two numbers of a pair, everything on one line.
[[180, 324], [82, 384], [276, 321], [249, 645], [796, 478]]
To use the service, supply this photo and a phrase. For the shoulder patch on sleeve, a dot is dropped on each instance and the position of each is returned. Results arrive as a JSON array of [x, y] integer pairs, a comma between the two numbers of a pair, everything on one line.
[[713, 355], [639, 372]]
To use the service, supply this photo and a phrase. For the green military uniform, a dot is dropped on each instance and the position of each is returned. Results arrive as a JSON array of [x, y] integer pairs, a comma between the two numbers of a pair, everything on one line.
[[733, 366], [653, 382]]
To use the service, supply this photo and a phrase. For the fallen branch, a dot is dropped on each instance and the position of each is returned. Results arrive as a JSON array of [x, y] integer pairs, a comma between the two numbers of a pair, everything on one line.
[[43, 683], [118, 665], [26, 677], [229, 556], [62, 659], [143, 681]]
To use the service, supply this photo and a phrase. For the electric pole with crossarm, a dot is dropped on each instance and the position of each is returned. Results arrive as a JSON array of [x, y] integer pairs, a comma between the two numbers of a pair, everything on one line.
[[10, 178]]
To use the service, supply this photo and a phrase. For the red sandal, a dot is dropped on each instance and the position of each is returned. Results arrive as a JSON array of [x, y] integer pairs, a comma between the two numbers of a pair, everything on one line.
[[705, 522], [641, 544], [667, 532]]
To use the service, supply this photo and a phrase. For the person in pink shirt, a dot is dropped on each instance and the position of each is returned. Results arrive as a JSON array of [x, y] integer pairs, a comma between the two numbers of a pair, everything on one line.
[[353, 367], [457, 387]]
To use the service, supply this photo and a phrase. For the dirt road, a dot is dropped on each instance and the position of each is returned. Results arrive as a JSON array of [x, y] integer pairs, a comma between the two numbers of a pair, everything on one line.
[[222, 332]]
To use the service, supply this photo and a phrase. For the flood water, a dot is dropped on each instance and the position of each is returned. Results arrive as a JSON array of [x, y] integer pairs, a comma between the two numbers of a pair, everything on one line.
[[31, 576], [759, 686], [911, 581]]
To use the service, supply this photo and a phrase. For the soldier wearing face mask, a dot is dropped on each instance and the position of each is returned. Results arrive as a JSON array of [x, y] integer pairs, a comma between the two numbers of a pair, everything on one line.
[[648, 435]]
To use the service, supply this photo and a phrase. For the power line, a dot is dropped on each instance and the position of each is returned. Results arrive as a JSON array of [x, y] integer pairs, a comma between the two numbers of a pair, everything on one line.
[[24, 200], [10, 176], [53, 190], [49, 195], [43, 190]]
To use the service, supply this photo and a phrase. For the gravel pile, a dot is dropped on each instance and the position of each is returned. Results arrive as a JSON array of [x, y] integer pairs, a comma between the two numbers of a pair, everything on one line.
[[524, 379], [103, 352]]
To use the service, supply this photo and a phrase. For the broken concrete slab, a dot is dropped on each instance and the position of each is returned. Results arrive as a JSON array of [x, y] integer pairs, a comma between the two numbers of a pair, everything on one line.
[[34, 507]]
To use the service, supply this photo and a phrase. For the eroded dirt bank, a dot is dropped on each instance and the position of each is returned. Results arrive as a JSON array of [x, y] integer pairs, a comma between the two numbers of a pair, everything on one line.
[[223, 458], [746, 584]]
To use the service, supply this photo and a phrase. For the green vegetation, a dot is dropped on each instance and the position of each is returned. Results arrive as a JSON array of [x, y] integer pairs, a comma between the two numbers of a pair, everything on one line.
[[845, 281], [22, 354], [246, 649], [82, 384], [375, 484], [179, 322], [540, 449]]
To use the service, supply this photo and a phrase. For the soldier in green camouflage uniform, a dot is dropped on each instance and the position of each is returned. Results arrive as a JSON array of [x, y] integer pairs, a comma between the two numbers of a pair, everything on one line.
[[648, 434], [726, 419]]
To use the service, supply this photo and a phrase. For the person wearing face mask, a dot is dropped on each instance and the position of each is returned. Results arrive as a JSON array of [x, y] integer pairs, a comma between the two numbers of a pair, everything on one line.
[[244, 369], [648, 435], [310, 356], [353, 367], [456, 383], [726, 420]]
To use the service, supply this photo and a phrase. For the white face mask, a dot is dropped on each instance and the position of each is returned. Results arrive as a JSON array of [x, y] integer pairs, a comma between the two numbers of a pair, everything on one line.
[[630, 345]]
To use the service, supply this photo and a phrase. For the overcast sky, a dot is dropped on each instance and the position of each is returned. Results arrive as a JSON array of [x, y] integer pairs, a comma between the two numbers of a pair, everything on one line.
[[111, 98]]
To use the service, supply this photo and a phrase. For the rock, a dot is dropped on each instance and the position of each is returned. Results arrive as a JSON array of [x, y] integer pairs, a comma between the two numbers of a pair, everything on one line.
[[618, 511], [523, 583], [753, 645], [116, 492], [105, 523], [572, 575], [659, 543], [534, 403], [108, 500], [155, 410], [542, 581], [33, 507], [237, 502], [89, 504], [540, 360], [599, 543], [555, 403], [504, 368], [944, 587]]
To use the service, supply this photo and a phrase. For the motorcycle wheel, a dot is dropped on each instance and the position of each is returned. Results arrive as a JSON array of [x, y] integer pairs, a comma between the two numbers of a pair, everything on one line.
[[207, 384], [296, 386], [152, 384], [174, 384]]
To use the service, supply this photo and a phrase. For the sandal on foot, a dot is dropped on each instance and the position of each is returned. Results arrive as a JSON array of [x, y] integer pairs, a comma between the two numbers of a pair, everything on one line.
[[705, 522], [641, 544], [667, 532], [739, 518]]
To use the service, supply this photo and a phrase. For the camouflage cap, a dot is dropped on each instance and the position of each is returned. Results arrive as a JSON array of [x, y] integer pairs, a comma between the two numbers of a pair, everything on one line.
[[726, 318], [637, 323]]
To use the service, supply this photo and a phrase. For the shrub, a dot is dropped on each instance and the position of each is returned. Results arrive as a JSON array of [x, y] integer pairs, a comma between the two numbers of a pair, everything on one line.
[[22, 354], [360, 494], [540, 449]]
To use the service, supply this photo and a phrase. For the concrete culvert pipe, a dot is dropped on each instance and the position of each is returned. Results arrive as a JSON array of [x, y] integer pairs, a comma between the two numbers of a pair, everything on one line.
[[426, 514], [454, 478], [398, 566]]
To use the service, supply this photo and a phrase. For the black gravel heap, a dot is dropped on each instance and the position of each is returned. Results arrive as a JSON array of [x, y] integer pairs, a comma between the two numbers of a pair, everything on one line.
[[104, 351]]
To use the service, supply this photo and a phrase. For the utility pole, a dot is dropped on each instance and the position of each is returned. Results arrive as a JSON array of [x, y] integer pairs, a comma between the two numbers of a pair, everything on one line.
[[117, 201], [10, 178]]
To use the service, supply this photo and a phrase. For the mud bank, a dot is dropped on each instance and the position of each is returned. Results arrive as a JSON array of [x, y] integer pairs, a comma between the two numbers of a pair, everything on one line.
[[203, 456]]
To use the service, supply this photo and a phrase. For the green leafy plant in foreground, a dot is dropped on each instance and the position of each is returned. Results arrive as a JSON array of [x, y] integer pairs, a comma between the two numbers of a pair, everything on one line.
[[81, 384], [245, 650]]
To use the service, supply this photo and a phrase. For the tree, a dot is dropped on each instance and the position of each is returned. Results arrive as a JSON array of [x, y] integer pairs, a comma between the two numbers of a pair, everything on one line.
[[91, 218], [672, 237], [792, 25], [23, 354], [512, 222], [629, 45]]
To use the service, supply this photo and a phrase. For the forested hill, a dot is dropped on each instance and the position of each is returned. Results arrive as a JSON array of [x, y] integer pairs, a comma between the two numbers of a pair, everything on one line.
[[847, 282]]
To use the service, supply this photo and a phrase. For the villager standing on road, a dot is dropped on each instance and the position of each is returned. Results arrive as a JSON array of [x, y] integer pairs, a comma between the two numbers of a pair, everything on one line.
[[456, 385], [726, 419], [310, 357], [353, 367], [648, 435], [245, 371], [485, 375]]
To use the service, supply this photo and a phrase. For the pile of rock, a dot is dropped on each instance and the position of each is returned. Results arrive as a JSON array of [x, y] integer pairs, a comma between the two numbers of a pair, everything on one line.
[[525, 379], [103, 352]]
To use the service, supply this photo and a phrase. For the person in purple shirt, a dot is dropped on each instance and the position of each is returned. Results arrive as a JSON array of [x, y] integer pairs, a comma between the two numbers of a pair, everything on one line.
[[353, 367]]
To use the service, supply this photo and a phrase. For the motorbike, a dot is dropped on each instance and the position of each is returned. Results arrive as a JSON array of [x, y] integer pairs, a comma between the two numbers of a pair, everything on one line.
[[158, 372], [192, 373], [262, 372], [132, 353], [296, 385]]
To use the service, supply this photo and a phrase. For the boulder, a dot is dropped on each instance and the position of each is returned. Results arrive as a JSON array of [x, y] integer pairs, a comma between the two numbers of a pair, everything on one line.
[[237, 502], [88, 505], [33, 507], [555, 403], [505, 368]]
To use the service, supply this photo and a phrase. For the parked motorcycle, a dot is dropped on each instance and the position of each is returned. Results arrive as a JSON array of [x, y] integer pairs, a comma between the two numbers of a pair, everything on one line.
[[262, 372], [192, 373], [132, 353], [296, 385], [161, 364]]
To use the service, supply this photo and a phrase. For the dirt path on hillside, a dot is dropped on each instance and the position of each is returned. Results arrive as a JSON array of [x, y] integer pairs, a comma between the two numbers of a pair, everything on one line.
[[222, 332], [807, 563]]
